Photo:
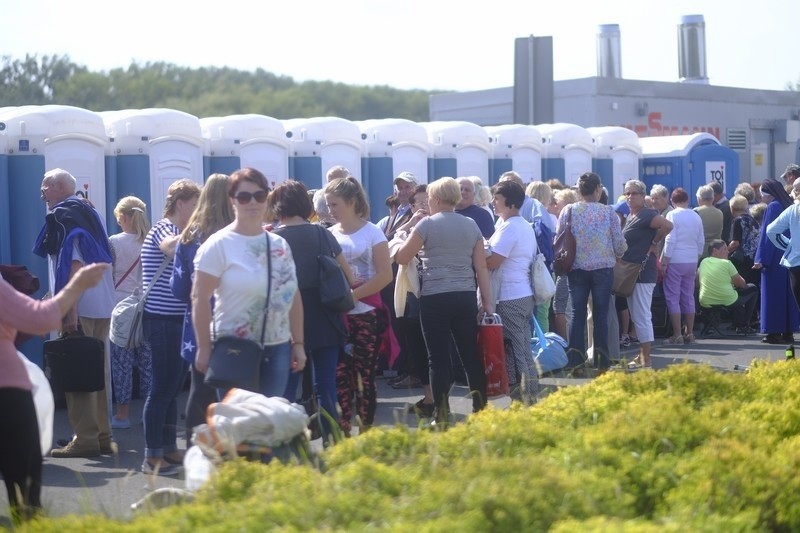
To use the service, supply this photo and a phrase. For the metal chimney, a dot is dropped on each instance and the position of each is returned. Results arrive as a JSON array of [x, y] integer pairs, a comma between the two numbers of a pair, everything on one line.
[[692, 50], [609, 62]]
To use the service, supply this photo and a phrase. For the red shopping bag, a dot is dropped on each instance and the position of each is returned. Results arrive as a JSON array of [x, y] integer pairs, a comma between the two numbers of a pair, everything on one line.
[[493, 352]]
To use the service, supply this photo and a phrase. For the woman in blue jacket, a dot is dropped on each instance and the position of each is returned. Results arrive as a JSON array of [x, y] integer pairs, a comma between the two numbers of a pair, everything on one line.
[[213, 213]]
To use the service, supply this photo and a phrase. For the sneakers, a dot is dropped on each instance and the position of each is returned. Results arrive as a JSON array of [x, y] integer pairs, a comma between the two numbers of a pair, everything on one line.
[[625, 341], [408, 381], [109, 447], [165, 469], [73, 450], [117, 423], [677, 339]]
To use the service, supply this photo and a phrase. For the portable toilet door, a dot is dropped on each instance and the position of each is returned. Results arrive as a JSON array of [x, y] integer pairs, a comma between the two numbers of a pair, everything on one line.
[[255, 141], [516, 147], [688, 161], [318, 144], [392, 146], [154, 148], [459, 149], [618, 157], [568, 152]]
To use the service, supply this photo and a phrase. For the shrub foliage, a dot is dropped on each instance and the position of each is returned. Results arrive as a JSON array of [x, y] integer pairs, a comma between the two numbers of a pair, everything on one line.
[[687, 448]]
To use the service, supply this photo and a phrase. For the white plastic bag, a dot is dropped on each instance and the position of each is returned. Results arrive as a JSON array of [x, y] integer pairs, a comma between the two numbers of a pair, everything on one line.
[[197, 467], [541, 281], [43, 400]]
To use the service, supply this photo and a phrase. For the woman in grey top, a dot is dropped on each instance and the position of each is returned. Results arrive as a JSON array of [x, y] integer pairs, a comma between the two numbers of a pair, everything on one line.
[[450, 247]]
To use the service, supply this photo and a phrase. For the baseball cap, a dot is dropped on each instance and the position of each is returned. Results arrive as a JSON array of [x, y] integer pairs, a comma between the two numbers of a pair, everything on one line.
[[406, 176], [792, 169]]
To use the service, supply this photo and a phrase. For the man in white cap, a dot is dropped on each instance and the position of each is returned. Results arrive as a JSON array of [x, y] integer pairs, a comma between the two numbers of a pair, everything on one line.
[[404, 185]]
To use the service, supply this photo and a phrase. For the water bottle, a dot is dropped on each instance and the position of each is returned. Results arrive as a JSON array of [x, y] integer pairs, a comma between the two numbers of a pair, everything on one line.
[[790, 352]]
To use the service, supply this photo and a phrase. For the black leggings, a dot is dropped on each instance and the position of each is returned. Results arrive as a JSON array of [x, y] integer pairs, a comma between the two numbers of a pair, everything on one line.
[[794, 279], [20, 450]]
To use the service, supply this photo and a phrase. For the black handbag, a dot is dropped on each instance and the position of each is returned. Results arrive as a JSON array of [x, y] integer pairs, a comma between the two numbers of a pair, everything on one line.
[[334, 290], [75, 363], [236, 362]]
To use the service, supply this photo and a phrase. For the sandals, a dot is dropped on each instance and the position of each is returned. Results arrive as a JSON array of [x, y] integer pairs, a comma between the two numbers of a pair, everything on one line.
[[688, 339], [677, 339]]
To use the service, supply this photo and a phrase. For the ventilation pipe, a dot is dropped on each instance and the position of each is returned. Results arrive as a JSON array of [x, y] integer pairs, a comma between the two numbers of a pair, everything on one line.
[[609, 62], [692, 50]]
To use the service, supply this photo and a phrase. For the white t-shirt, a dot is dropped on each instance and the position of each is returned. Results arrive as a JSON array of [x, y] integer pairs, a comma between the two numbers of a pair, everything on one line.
[[515, 240], [240, 263], [126, 249], [357, 250]]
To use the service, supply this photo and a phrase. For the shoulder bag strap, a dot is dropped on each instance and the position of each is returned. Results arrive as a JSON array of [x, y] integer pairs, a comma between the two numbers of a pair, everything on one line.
[[269, 289], [117, 284], [160, 271]]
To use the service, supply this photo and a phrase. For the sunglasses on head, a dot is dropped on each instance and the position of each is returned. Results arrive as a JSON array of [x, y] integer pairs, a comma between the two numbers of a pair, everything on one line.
[[245, 197]]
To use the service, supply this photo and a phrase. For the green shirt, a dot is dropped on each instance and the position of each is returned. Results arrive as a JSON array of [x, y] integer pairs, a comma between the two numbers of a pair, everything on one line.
[[716, 285]]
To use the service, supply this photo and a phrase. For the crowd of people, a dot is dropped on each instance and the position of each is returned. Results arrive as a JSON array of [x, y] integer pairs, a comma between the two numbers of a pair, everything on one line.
[[235, 258]]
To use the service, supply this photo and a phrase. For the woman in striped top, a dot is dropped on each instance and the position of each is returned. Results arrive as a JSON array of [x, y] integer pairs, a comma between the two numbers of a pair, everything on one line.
[[163, 326]]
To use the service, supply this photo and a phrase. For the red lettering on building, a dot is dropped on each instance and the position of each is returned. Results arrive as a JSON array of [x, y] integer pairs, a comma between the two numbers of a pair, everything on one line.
[[655, 128]]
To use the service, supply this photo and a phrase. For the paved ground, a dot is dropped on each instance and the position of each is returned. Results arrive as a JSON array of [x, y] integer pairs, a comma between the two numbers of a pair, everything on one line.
[[109, 485]]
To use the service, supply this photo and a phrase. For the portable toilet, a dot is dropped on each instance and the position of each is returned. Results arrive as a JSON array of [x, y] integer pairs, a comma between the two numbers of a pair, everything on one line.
[[392, 146], [317, 144], [38, 139], [152, 149], [567, 152], [516, 147], [459, 149], [689, 161], [617, 159], [238, 141]]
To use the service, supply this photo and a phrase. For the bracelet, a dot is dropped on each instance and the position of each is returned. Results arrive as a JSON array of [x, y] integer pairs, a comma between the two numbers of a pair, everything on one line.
[[654, 243], [298, 342]]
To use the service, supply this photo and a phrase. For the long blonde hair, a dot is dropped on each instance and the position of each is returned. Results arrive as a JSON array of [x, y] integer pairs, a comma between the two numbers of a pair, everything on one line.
[[136, 211], [351, 191], [213, 211]]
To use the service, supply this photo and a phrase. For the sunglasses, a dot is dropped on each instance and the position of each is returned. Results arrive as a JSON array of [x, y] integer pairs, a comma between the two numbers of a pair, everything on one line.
[[246, 197]]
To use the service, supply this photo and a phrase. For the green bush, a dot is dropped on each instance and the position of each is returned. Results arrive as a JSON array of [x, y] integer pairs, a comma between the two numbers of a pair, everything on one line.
[[686, 448]]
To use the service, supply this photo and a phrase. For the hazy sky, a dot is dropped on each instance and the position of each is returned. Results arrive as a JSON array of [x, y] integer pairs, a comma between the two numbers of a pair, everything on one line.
[[431, 44]]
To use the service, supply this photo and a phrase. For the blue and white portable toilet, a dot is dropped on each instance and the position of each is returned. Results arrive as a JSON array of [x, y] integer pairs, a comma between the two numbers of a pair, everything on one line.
[[318, 144], [392, 146], [516, 147], [459, 149], [568, 152], [617, 159], [689, 161], [38, 139], [238, 141], [153, 148]]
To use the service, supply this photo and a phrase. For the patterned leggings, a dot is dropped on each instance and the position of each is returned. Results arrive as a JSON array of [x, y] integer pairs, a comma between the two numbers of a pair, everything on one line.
[[122, 371], [522, 377], [355, 372]]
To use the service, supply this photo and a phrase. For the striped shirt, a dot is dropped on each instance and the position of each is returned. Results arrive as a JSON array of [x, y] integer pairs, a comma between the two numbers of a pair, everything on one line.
[[160, 301]]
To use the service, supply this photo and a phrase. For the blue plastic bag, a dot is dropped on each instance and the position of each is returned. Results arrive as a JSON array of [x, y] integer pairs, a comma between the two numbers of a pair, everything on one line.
[[548, 350]]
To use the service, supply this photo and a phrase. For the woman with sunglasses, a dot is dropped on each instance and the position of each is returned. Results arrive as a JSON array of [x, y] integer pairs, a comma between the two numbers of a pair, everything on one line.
[[779, 313], [232, 267]]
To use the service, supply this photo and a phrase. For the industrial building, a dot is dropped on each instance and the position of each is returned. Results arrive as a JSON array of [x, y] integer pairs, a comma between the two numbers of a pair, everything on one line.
[[762, 126]]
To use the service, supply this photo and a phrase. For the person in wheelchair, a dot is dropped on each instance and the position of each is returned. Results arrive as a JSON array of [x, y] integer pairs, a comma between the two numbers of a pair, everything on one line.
[[721, 285]]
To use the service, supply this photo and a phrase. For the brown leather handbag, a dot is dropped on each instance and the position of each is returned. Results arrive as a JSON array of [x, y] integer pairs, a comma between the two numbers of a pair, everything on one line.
[[564, 246]]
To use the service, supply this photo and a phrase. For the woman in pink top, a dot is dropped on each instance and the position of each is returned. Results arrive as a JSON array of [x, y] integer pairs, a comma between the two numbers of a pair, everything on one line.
[[20, 451]]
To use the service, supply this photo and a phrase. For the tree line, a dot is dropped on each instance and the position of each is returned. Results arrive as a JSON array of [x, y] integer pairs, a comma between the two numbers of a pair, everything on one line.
[[203, 92]]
